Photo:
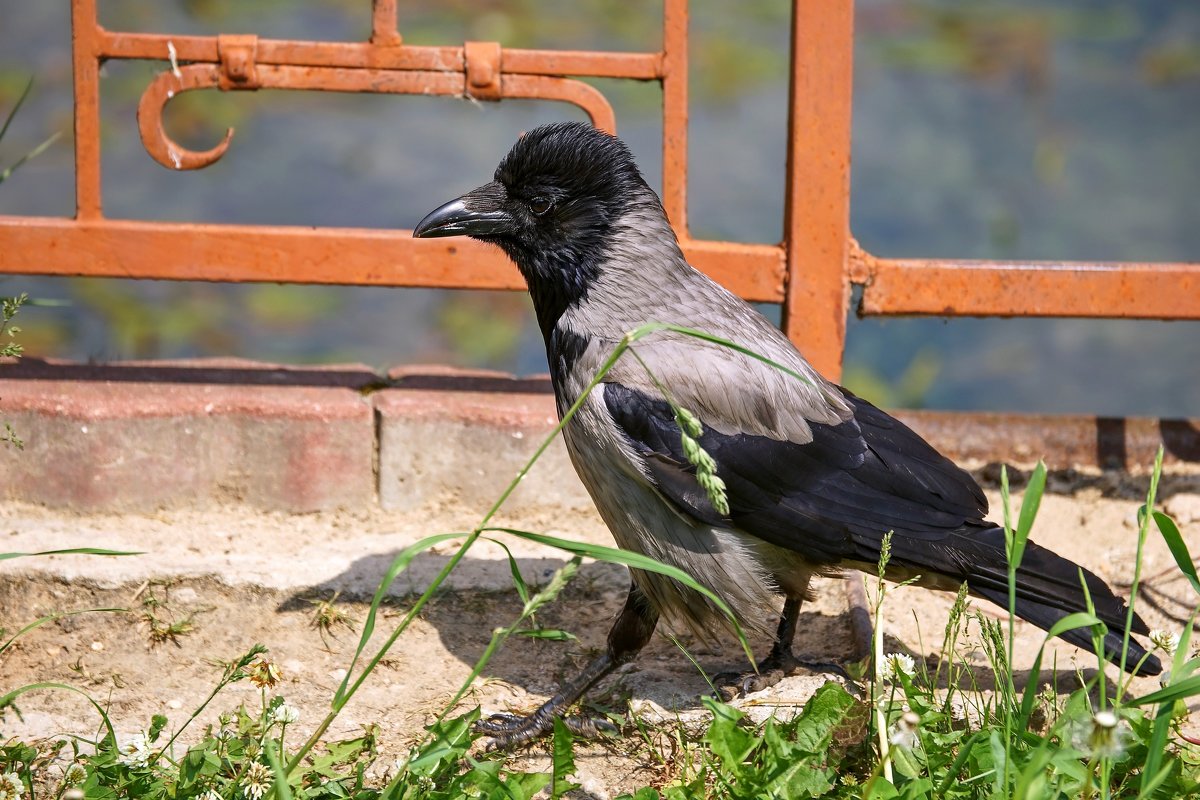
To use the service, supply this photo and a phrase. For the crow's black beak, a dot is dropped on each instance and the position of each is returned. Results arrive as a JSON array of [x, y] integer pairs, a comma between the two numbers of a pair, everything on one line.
[[478, 213]]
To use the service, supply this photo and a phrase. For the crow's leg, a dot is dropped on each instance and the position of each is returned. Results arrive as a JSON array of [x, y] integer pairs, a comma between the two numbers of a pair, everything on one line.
[[778, 664], [628, 636]]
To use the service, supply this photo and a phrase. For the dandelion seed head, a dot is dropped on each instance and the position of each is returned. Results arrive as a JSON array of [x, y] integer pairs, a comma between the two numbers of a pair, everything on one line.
[[1103, 735], [904, 732]]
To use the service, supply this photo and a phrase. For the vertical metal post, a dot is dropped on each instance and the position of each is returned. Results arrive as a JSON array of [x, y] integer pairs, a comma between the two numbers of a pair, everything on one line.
[[817, 203], [675, 113], [383, 23], [84, 51]]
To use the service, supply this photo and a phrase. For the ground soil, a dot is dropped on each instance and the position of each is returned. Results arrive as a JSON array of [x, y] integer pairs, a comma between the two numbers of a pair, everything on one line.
[[243, 577]]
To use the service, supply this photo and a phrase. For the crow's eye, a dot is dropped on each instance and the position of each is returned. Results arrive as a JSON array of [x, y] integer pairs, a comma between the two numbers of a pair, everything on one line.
[[540, 205]]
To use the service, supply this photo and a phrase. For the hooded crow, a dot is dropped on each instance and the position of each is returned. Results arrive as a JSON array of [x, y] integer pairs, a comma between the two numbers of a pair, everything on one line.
[[815, 476]]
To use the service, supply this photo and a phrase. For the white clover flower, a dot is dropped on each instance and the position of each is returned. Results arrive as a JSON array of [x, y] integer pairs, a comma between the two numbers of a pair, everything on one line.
[[11, 786], [211, 794], [135, 751], [1102, 736], [897, 664], [1165, 641], [74, 774], [257, 781], [285, 714], [904, 732]]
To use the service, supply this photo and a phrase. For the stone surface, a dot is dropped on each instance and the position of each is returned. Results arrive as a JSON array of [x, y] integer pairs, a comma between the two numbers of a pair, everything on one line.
[[467, 446]]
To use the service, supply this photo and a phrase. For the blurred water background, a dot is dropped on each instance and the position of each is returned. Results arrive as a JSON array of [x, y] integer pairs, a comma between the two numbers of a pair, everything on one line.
[[983, 129]]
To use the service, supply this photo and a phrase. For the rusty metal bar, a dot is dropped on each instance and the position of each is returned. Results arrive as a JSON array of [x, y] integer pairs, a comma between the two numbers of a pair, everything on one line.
[[384, 31], [474, 83], [675, 113], [237, 253], [817, 201], [1030, 288], [367, 55], [84, 34]]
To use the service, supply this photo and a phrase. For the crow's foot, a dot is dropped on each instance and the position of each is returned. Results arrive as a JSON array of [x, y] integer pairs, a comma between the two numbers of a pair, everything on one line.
[[773, 669], [510, 730]]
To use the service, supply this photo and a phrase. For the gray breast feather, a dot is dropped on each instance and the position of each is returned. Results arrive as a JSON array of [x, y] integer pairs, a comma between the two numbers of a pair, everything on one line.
[[728, 562]]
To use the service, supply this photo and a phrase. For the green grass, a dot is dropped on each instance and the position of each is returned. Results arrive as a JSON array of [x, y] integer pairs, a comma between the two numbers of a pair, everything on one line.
[[914, 731]]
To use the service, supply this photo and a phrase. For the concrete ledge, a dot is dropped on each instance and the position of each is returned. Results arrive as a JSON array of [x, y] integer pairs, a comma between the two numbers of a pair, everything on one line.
[[135, 437], [147, 436], [439, 446]]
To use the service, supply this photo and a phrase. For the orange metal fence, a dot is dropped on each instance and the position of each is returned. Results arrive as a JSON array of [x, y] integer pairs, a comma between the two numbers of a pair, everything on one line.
[[810, 272]]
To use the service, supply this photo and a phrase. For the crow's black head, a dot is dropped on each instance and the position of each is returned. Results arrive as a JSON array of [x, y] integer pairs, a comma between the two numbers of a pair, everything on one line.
[[553, 205]]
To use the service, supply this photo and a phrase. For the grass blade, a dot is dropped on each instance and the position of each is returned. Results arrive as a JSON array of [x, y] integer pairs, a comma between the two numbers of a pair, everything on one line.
[[72, 551], [51, 618], [7, 700], [13, 113], [399, 564], [1174, 539], [1030, 502], [1070, 622], [1188, 687]]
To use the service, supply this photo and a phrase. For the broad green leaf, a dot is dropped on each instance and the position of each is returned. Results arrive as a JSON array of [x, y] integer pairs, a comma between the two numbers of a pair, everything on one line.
[[562, 761]]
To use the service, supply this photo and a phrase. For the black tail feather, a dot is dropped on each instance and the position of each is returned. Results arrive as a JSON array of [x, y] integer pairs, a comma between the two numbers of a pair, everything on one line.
[[1047, 588], [1137, 660]]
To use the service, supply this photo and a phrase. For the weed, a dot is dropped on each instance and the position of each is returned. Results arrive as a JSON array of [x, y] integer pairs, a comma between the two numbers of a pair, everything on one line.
[[327, 618], [163, 622]]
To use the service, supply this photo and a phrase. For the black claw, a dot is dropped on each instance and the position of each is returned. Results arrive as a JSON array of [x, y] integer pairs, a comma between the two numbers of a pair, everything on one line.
[[500, 723], [589, 727]]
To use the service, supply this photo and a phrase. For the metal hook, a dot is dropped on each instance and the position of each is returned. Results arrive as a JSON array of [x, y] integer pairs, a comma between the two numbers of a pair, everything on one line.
[[158, 144]]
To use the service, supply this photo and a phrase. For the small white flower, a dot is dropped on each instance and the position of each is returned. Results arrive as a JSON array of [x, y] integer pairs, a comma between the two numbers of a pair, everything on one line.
[[904, 732], [257, 781], [1165, 641], [211, 794], [285, 714], [75, 774], [11, 786], [135, 751], [897, 664]]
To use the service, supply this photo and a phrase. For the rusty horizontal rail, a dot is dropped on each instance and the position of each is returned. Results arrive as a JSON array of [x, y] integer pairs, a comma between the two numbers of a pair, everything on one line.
[[944, 287], [239, 253], [369, 55]]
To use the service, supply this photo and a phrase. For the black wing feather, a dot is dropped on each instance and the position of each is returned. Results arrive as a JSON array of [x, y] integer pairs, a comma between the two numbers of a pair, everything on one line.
[[830, 499]]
